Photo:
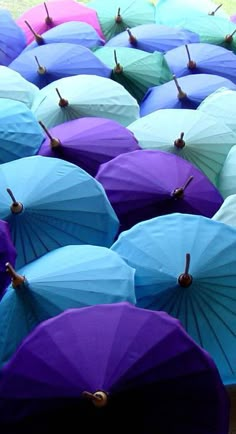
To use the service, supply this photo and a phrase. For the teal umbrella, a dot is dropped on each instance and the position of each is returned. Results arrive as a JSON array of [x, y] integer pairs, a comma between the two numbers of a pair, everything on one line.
[[68, 277], [116, 15], [136, 70], [227, 212], [222, 105], [14, 86], [227, 176], [84, 96], [190, 134]]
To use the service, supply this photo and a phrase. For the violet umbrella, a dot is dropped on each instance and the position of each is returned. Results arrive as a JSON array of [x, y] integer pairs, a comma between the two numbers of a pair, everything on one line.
[[111, 364], [7, 254], [145, 184], [88, 142]]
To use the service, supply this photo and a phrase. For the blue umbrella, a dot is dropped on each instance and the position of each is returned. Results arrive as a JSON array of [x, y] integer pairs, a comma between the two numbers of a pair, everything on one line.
[[227, 212], [12, 38], [68, 277], [153, 37], [73, 32], [227, 176], [44, 64], [50, 203], [202, 59], [20, 133], [186, 266], [186, 92], [14, 86]]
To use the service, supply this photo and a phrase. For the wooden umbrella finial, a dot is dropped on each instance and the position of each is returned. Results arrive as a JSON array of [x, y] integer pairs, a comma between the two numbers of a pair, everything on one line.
[[118, 68], [118, 18], [16, 207], [99, 398], [48, 19], [62, 102], [38, 38], [16, 279], [181, 93], [185, 279], [54, 142]]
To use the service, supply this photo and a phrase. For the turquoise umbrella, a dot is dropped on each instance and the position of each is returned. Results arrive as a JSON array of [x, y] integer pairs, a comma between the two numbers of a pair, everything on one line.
[[227, 212], [14, 86], [186, 266], [84, 95], [50, 203], [136, 70], [222, 105], [116, 15], [190, 134], [227, 176], [68, 277], [20, 133]]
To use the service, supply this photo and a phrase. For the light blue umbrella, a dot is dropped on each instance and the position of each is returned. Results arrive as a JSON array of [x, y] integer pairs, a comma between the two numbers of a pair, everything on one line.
[[53, 203], [68, 277], [14, 86], [227, 212], [20, 133], [227, 176], [12, 38], [186, 265]]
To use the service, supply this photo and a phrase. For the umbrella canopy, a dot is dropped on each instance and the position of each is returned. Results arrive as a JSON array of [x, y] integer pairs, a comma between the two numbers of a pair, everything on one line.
[[227, 176], [138, 187], [72, 276], [84, 95], [190, 134], [116, 15], [233, 18], [153, 37], [50, 14], [88, 142], [7, 254], [222, 105], [47, 63], [116, 368], [50, 203], [12, 38], [20, 133], [186, 266], [227, 212], [136, 70], [14, 86], [202, 58], [72, 32], [186, 92]]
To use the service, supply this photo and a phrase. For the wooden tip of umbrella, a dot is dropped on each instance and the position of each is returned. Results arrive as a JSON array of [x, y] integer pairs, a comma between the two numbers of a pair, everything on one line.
[[118, 68], [180, 143], [185, 279], [48, 19], [213, 12], [99, 398], [41, 70], [62, 102], [118, 18], [16, 279], [229, 38], [16, 207], [181, 93], [54, 142], [132, 38], [38, 38], [191, 64], [178, 193]]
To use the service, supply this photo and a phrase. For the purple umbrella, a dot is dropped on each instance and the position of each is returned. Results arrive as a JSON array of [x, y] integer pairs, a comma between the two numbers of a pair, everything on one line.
[[7, 254], [233, 18], [113, 364], [88, 142], [145, 184]]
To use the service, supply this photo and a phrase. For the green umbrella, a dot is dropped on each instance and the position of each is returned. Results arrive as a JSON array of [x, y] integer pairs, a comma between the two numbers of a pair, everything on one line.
[[83, 96], [136, 70], [116, 15], [227, 177], [190, 134], [222, 105], [227, 212]]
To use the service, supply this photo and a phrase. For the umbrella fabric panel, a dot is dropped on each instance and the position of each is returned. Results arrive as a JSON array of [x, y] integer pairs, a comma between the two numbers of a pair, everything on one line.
[[7, 254], [14, 86], [227, 212], [227, 178], [12, 39]]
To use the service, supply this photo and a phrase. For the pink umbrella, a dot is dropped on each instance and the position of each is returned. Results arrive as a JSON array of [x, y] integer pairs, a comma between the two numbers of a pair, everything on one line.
[[47, 15]]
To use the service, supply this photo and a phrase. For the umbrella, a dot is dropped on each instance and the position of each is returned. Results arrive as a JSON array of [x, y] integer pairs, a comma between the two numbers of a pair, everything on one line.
[[50, 203], [88, 142], [84, 95], [116, 15], [7, 254], [14, 86], [47, 63], [136, 70], [202, 58], [233, 18], [153, 37], [227, 212], [72, 276], [190, 134], [186, 266], [176, 12], [20, 134], [118, 370], [12, 39], [186, 92], [72, 32], [47, 15], [222, 105], [138, 187], [227, 176]]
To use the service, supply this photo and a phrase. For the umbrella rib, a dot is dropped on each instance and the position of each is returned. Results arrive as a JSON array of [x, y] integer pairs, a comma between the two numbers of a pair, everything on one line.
[[196, 323], [225, 307]]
